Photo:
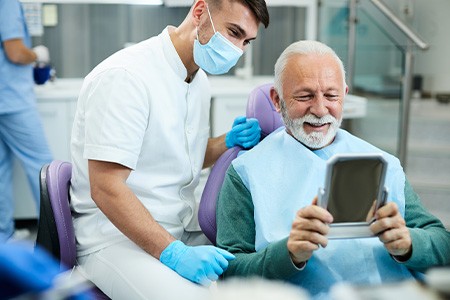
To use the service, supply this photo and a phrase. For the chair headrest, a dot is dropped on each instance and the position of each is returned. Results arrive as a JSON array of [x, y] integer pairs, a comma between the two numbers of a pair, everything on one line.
[[260, 106]]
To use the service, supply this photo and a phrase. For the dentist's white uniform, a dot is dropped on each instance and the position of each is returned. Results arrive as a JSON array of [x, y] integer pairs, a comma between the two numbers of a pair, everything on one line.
[[136, 109]]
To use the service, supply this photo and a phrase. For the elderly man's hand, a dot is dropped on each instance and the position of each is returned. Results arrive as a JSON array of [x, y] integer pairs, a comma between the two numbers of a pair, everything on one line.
[[390, 227], [308, 232]]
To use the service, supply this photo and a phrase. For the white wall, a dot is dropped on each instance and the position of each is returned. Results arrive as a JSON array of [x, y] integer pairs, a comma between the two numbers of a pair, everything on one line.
[[432, 20]]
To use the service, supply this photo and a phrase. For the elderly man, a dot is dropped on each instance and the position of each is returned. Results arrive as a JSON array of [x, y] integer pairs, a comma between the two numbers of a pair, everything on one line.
[[267, 213]]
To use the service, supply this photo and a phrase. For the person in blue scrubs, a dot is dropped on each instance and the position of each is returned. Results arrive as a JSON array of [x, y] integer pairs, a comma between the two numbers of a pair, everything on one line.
[[21, 132]]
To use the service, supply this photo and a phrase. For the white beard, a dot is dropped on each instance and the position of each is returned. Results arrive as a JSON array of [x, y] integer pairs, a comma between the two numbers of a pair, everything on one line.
[[313, 140]]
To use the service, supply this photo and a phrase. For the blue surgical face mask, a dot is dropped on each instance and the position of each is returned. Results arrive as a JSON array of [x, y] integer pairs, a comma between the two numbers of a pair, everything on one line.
[[217, 56]]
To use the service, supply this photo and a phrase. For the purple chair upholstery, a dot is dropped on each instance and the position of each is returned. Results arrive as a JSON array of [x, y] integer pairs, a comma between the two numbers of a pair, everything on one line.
[[259, 106], [55, 228], [207, 208]]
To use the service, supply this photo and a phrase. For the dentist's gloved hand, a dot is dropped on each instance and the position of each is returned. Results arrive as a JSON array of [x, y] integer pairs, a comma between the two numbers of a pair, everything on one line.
[[200, 264], [245, 133]]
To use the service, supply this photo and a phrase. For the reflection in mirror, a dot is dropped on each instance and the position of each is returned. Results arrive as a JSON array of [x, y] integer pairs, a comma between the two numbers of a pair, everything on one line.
[[354, 189]]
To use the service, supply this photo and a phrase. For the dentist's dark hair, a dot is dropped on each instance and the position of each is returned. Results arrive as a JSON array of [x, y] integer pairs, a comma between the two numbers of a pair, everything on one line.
[[258, 7]]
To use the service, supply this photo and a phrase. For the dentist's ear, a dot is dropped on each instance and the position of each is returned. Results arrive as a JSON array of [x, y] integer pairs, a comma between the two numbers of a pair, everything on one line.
[[275, 97], [197, 10]]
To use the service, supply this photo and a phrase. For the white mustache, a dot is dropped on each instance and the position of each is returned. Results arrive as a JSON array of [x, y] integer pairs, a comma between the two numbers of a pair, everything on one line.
[[313, 120]]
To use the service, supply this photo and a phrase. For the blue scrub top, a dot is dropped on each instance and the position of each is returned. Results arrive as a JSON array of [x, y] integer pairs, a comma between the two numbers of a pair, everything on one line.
[[16, 81]]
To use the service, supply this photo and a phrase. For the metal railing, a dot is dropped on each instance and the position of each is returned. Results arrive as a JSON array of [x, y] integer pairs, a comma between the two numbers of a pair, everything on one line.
[[407, 39]]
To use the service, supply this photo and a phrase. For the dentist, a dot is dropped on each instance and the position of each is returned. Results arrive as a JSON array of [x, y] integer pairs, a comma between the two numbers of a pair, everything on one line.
[[139, 141]]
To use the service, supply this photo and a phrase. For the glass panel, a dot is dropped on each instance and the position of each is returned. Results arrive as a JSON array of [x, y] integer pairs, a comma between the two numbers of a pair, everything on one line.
[[377, 75], [333, 26]]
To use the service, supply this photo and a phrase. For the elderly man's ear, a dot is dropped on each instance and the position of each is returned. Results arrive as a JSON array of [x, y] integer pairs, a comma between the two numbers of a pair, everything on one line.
[[275, 98]]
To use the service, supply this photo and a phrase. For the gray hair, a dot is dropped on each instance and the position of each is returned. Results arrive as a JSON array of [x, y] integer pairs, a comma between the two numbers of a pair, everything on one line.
[[301, 47]]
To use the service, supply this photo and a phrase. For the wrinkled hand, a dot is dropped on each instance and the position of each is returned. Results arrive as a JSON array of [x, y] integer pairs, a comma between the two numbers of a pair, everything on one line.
[[199, 264], [390, 227], [43, 56], [309, 230], [245, 133]]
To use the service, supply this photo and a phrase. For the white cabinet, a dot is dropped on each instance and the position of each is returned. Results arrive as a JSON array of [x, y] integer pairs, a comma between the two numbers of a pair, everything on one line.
[[223, 112], [229, 99], [56, 102]]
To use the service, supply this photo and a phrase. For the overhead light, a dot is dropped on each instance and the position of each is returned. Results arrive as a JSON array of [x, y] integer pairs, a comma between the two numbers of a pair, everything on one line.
[[140, 2], [175, 3]]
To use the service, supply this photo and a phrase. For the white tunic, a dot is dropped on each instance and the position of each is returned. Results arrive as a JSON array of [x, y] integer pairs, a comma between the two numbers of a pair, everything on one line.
[[136, 109]]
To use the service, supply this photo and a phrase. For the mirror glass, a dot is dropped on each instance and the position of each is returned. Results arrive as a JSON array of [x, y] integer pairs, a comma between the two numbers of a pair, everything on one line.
[[354, 188]]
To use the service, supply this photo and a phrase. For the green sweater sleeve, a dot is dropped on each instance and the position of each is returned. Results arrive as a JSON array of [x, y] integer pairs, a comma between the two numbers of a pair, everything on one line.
[[236, 234], [430, 239]]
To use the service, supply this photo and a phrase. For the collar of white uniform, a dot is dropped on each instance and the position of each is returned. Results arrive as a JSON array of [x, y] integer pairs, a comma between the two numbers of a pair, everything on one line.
[[171, 54]]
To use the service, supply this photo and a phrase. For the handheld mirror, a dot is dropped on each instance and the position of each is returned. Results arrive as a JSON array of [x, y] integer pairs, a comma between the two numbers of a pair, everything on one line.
[[354, 190]]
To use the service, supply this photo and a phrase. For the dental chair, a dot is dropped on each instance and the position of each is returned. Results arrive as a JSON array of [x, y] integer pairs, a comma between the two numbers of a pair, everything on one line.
[[259, 106], [55, 232]]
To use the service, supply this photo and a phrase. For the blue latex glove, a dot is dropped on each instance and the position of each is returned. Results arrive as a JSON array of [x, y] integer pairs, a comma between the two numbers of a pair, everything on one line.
[[199, 264], [25, 270], [245, 133]]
